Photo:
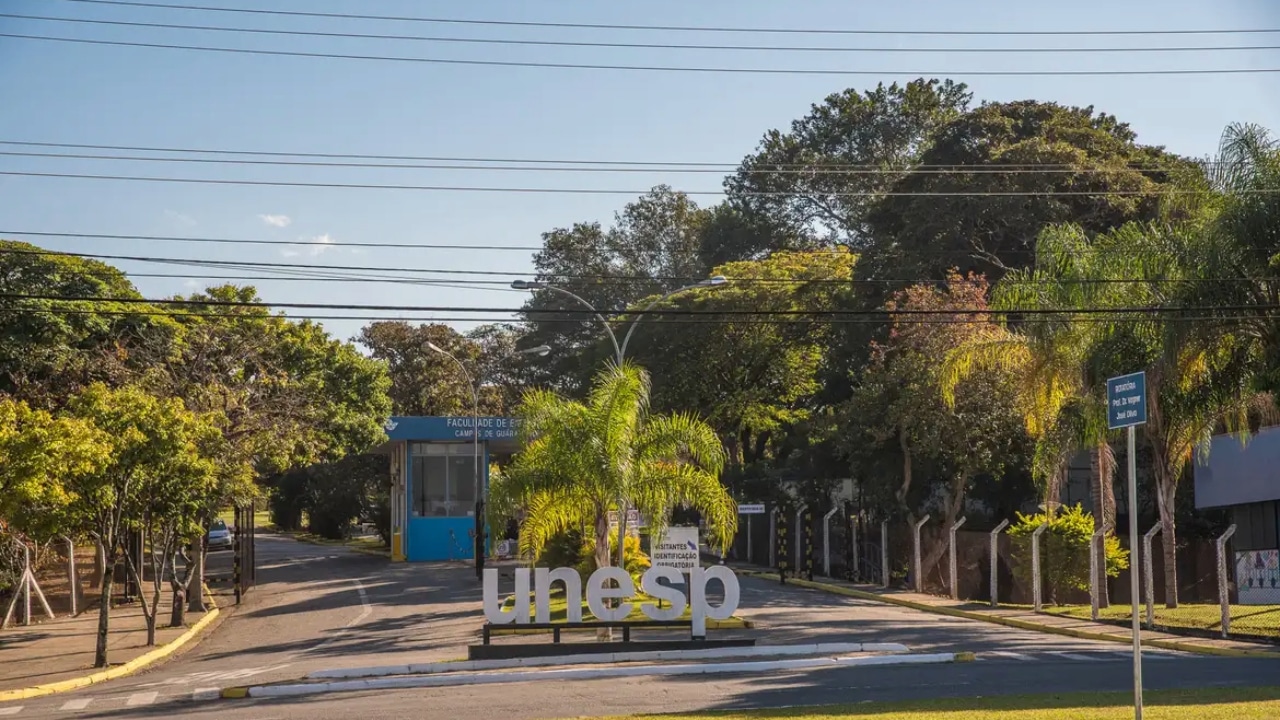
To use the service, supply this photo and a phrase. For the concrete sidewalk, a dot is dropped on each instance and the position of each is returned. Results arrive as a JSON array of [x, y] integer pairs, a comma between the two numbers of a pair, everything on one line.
[[62, 649], [1026, 619]]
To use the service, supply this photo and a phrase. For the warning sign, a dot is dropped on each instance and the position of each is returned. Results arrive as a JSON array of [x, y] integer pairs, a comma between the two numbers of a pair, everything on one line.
[[677, 548]]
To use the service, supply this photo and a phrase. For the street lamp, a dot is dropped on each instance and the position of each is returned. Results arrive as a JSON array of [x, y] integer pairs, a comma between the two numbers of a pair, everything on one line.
[[474, 385], [620, 350]]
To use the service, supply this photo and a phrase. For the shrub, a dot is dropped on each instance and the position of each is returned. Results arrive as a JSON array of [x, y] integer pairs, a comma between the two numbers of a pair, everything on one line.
[[564, 550], [1064, 550], [636, 561]]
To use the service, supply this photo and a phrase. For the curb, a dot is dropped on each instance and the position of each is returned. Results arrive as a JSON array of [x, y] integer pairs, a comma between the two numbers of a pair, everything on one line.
[[1019, 624], [827, 649], [454, 679], [128, 668], [735, 623], [320, 542]]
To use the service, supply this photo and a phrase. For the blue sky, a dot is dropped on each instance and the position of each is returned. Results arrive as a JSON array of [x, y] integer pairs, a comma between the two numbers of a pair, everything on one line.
[[70, 93]]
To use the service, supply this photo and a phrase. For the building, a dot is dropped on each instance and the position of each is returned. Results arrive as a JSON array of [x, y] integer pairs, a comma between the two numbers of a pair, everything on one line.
[[1245, 478], [436, 479]]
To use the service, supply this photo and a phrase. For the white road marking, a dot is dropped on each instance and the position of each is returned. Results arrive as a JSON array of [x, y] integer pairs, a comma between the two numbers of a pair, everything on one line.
[[365, 611], [201, 694], [1074, 656], [80, 704], [142, 698], [11, 710], [1006, 654]]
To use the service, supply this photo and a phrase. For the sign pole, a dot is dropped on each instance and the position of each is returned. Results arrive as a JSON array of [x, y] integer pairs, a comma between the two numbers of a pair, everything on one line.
[[1127, 408], [1133, 572]]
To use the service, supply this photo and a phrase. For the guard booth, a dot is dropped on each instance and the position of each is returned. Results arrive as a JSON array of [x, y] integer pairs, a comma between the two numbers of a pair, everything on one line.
[[435, 485]]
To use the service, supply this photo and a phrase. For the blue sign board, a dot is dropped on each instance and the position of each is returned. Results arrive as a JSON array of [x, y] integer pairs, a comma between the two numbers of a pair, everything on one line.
[[1127, 400], [450, 428]]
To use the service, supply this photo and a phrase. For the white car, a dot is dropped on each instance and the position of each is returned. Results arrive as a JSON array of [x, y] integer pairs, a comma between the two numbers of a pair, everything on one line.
[[219, 537]]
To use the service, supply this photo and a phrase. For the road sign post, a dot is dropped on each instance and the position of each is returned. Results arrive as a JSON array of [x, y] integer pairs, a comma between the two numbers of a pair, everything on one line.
[[1127, 408]]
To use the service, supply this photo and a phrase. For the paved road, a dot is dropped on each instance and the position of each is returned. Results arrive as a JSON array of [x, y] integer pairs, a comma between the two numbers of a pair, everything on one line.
[[319, 607]]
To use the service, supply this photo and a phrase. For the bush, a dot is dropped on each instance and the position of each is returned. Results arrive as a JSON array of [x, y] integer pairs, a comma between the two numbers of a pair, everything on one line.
[[564, 550], [1064, 550], [636, 561]]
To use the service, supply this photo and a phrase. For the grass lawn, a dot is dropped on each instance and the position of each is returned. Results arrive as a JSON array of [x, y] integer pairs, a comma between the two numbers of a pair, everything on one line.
[[1251, 619], [559, 612], [261, 518], [1207, 704]]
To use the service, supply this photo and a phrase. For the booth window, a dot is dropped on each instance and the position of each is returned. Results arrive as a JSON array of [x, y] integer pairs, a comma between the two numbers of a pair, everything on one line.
[[443, 480]]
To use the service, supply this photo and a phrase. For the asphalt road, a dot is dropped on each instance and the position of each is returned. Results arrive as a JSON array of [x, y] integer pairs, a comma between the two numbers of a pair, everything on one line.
[[319, 607]]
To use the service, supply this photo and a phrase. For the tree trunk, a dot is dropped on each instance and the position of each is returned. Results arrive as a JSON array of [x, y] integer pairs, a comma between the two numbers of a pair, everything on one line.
[[602, 558], [955, 502], [195, 598], [104, 611], [178, 612], [905, 487], [1102, 492], [1168, 538], [99, 564]]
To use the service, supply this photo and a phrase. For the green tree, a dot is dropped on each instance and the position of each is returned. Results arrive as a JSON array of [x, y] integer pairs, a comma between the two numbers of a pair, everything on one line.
[[49, 347], [654, 246], [580, 460], [756, 379], [897, 408], [994, 177], [39, 453], [823, 178], [152, 443]]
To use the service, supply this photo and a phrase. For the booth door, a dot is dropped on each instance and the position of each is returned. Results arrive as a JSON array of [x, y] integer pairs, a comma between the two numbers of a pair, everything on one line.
[[442, 492]]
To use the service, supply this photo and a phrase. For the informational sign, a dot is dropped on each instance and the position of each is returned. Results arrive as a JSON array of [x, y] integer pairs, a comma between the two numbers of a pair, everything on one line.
[[634, 522], [611, 583], [676, 548], [451, 428], [751, 509], [1127, 400], [1258, 577]]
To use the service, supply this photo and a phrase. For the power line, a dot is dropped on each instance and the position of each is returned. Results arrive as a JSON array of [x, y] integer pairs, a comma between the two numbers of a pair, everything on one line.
[[632, 45], [816, 169], [670, 28], [646, 68], [243, 241], [730, 167], [677, 321], [675, 312], [600, 191], [319, 269]]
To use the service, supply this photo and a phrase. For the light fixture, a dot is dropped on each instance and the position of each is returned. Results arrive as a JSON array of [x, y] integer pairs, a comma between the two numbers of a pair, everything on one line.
[[540, 351], [715, 280], [435, 347], [525, 285]]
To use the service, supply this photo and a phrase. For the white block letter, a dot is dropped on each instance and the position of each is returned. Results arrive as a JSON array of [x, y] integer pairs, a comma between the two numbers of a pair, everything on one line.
[[598, 591], [698, 579], [493, 604], [543, 578], [673, 595]]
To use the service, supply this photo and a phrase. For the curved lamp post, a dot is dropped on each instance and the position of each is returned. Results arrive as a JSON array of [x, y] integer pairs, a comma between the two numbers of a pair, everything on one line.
[[619, 349], [474, 386]]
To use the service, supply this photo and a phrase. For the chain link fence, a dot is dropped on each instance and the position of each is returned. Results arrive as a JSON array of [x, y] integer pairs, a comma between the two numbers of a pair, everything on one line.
[[1222, 591]]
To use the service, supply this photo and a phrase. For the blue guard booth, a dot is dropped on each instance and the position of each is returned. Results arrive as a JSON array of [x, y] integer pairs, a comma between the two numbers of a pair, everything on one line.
[[435, 482]]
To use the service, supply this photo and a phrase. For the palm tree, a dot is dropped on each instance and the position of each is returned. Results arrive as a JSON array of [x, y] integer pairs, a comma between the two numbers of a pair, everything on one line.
[[580, 460], [1059, 396]]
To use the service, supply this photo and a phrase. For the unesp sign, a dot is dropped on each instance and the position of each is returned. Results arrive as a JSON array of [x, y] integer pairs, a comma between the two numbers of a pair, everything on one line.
[[599, 592]]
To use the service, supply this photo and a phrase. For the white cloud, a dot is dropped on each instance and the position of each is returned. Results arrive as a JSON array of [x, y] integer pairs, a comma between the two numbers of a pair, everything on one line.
[[191, 284], [279, 221], [179, 218], [313, 246]]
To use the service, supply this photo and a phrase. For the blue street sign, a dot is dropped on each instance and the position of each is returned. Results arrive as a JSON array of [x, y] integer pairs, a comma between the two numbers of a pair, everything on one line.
[[1127, 400]]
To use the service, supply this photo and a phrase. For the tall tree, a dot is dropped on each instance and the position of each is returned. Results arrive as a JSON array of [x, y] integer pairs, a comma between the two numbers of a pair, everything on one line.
[[424, 382], [822, 179], [756, 378], [898, 409], [49, 347], [996, 176], [653, 246]]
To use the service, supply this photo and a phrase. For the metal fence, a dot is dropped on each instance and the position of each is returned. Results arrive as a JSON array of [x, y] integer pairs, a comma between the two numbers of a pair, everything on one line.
[[1222, 591]]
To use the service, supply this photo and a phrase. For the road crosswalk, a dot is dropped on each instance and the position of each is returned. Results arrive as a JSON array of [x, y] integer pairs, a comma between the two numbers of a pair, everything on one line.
[[1116, 655]]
